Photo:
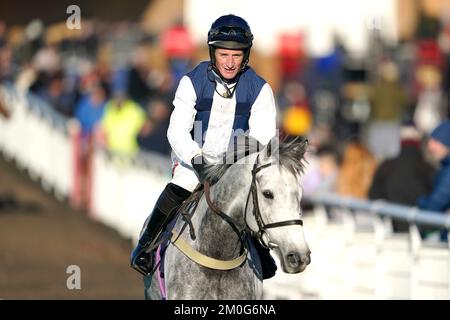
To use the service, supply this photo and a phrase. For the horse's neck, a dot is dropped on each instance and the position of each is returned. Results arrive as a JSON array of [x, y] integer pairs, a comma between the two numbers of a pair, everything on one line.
[[215, 236]]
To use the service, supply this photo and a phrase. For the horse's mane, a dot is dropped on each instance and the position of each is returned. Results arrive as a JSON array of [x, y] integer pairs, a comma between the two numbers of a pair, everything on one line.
[[290, 155]]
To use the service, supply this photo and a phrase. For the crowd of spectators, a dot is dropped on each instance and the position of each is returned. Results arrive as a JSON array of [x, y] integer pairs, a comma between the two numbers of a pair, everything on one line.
[[104, 75]]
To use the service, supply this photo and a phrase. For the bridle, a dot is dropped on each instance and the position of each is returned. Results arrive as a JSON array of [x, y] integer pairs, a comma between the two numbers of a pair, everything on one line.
[[218, 264], [262, 227]]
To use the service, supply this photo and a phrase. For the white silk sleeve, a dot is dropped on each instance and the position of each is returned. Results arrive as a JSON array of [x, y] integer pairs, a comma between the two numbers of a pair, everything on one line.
[[182, 122], [262, 122]]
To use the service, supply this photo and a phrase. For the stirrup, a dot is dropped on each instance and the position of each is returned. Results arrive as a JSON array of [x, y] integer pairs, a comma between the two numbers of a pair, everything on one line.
[[149, 250], [142, 271], [148, 269]]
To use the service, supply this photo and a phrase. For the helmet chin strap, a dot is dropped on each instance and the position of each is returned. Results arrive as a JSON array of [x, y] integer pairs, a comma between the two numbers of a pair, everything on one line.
[[224, 82]]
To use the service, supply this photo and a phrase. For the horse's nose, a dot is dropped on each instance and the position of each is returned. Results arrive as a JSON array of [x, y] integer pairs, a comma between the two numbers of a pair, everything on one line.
[[294, 259]]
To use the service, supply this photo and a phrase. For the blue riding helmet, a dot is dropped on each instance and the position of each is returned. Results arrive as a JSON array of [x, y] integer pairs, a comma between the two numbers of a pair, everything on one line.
[[230, 32]]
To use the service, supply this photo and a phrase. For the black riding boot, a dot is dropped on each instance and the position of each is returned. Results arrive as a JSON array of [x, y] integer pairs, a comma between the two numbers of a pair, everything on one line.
[[165, 208], [268, 265]]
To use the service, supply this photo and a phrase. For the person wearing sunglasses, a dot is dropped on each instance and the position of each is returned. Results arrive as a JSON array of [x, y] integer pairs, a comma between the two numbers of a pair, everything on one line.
[[217, 100]]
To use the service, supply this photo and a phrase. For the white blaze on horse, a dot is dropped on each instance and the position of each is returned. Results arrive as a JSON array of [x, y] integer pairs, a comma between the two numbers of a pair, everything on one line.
[[258, 195]]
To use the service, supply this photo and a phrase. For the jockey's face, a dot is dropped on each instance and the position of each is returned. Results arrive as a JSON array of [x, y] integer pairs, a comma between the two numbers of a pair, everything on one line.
[[437, 149], [229, 62]]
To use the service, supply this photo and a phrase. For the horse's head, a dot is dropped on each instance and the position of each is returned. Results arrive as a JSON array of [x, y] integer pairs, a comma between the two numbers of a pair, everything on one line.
[[276, 195]]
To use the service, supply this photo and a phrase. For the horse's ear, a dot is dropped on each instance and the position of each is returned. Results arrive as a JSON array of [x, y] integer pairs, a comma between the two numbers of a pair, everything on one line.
[[297, 148], [270, 150]]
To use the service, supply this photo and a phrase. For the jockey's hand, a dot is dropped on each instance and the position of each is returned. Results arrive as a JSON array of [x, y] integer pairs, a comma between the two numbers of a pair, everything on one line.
[[199, 163]]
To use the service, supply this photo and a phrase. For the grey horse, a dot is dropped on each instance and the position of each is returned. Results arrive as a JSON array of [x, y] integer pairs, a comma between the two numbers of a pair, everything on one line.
[[260, 192]]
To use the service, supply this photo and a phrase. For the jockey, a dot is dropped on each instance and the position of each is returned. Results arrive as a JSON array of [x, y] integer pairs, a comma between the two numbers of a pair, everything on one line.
[[214, 101]]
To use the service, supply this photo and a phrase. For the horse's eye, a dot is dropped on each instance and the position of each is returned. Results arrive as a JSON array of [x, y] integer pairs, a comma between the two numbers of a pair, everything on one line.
[[268, 194]]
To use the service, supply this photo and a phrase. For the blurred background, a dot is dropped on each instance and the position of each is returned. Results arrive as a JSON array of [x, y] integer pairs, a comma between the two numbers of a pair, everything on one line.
[[362, 80]]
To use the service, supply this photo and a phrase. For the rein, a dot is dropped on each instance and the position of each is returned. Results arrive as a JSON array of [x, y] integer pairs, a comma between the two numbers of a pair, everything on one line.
[[219, 212]]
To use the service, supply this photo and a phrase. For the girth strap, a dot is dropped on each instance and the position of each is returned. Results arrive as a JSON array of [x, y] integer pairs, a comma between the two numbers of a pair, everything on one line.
[[204, 260]]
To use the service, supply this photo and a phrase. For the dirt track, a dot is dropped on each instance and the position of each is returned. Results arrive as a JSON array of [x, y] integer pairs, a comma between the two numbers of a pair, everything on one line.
[[40, 237]]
